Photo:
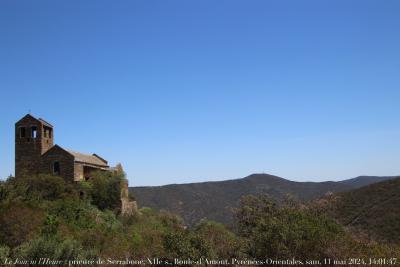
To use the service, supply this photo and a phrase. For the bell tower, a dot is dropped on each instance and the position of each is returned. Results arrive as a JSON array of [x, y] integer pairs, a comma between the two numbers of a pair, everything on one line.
[[33, 137]]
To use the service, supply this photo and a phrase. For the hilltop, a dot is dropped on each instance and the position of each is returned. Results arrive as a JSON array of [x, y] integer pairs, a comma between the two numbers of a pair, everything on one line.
[[215, 200]]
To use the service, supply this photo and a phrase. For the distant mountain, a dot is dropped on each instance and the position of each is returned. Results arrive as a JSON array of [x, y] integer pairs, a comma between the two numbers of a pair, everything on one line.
[[361, 181], [373, 210], [215, 200]]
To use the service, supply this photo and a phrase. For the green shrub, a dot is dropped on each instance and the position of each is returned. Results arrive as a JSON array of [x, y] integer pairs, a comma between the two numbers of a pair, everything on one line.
[[19, 222], [222, 243], [147, 231], [77, 213], [37, 188], [52, 248], [106, 190], [284, 232], [4, 255], [186, 245]]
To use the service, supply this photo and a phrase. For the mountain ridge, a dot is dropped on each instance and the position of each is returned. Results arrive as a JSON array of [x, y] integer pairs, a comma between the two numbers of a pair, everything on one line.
[[215, 200], [374, 178]]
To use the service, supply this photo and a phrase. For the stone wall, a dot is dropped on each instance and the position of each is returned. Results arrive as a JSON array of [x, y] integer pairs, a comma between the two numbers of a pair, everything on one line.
[[128, 206], [27, 149], [78, 172], [66, 163], [30, 143]]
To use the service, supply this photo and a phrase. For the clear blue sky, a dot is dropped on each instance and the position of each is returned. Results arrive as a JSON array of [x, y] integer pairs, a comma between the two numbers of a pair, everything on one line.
[[183, 91]]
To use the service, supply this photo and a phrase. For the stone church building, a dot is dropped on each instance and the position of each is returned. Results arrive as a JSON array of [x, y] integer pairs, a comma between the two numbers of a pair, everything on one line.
[[36, 153]]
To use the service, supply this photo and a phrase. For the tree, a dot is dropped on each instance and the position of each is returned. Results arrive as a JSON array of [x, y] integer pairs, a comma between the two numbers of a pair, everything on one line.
[[106, 189], [284, 232], [186, 245], [223, 243], [37, 187]]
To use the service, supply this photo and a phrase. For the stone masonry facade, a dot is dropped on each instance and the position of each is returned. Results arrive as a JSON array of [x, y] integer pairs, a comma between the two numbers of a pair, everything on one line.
[[36, 153]]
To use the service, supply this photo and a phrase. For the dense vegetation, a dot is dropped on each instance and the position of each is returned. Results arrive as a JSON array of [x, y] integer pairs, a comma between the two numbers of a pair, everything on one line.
[[45, 217], [295, 231], [215, 200], [372, 210]]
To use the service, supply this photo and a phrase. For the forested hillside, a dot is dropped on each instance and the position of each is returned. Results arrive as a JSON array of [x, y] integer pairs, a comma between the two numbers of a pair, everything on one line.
[[73, 224], [373, 210], [215, 200]]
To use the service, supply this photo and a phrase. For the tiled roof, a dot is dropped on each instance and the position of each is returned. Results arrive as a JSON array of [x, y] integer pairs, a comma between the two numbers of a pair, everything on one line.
[[89, 159]]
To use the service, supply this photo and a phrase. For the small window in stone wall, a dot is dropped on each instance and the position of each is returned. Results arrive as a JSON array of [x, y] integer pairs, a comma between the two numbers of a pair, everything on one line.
[[34, 132], [56, 168], [47, 132], [22, 132]]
